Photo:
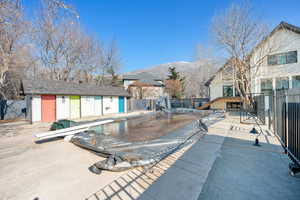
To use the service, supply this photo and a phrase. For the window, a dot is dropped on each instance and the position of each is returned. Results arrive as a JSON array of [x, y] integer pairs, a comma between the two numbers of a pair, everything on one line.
[[283, 58], [233, 105], [266, 86], [282, 83], [296, 82], [272, 60], [227, 90], [291, 57]]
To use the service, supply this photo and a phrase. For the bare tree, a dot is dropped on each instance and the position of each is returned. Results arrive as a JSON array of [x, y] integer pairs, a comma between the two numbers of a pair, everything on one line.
[[196, 77], [238, 30], [57, 40], [91, 59], [111, 63], [54, 47], [14, 53], [68, 53]]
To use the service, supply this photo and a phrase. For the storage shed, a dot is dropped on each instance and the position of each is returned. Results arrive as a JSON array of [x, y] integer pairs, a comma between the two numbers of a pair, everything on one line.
[[48, 100]]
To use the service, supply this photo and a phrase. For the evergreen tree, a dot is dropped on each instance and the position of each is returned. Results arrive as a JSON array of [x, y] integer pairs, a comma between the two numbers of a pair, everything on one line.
[[174, 83]]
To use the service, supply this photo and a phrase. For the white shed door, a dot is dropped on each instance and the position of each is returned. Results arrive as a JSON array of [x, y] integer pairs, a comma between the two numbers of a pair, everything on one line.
[[36, 108], [98, 105], [87, 106], [110, 104], [62, 107]]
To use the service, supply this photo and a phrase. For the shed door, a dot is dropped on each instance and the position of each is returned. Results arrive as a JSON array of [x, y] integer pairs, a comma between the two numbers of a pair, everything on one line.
[[48, 108], [36, 108], [121, 104], [98, 105], [62, 107], [75, 106], [87, 105]]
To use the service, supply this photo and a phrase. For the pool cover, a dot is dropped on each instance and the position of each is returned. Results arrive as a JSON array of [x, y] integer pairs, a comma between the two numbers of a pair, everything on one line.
[[122, 155]]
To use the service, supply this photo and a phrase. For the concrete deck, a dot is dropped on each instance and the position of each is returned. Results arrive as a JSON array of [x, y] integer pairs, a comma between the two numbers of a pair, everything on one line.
[[224, 164]]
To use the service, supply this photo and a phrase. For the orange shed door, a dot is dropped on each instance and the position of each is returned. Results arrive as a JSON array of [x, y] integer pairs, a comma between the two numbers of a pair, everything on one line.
[[48, 108]]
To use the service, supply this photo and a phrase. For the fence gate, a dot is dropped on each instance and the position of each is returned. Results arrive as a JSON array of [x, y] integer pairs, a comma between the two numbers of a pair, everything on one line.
[[255, 114]]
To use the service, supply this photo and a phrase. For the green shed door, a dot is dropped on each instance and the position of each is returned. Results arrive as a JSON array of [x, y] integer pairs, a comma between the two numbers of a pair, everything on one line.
[[75, 107], [121, 104]]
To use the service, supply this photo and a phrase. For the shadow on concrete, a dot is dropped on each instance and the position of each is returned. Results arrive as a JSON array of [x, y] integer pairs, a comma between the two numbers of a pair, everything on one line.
[[243, 171], [41, 141]]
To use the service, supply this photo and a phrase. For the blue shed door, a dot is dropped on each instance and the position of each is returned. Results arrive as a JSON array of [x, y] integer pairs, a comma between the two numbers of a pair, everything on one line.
[[121, 104]]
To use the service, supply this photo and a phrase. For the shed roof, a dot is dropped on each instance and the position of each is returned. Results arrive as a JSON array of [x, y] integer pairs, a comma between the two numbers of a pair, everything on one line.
[[70, 88]]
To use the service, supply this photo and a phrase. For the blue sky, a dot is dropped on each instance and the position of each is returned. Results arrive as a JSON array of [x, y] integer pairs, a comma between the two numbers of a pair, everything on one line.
[[151, 32]]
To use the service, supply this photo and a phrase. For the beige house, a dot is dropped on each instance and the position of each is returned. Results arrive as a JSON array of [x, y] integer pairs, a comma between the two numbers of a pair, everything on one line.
[[222, 92], [143, 86]]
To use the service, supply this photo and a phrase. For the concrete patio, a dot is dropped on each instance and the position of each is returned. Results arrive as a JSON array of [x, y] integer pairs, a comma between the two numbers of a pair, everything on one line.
[[225, 164]]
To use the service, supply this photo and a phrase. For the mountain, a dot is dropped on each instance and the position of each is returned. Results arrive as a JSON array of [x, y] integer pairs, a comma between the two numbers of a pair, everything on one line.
[[162, 70], [195, 74]]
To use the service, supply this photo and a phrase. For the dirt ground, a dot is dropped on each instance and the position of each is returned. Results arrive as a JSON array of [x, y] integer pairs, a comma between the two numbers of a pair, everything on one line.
[[51, 170]]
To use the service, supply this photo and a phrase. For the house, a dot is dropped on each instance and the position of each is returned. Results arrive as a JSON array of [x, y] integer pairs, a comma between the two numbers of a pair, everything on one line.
[[222, 93], [275, 60], [48, 100], [143, 86], [274, 66]]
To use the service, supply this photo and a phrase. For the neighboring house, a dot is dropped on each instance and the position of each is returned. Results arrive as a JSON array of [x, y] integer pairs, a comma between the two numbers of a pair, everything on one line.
[[275, 61], [222, 92], [143, 86], [48, 100], [274, 65]]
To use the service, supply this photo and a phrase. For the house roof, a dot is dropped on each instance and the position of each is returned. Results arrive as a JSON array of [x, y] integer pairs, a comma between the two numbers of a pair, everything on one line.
[[68, 88], [146, 82], [291, 27], [281, 25], [142, 75], [207, 83]]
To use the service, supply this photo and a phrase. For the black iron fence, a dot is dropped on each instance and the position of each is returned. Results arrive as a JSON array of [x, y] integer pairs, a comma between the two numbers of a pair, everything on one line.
[[284, 118], [282, 111], [141, 104], [255, 113], [188, 102], [149, 104]]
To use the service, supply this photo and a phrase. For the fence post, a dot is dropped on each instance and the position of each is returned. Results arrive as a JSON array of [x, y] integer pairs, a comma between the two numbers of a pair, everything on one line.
[[286, 118], [269, 117]]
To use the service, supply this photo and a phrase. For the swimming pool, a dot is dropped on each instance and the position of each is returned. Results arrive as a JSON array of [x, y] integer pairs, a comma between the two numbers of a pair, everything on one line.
[[141, 140], [147, 127]]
